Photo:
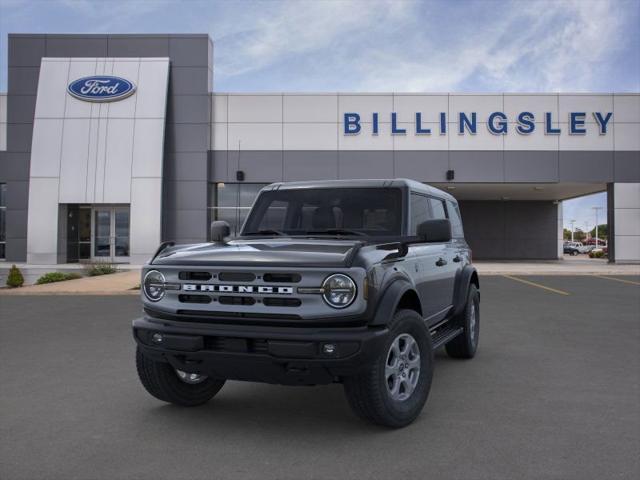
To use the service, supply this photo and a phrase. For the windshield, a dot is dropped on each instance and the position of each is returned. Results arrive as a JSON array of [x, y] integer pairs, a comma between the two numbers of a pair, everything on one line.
[[331, 211]]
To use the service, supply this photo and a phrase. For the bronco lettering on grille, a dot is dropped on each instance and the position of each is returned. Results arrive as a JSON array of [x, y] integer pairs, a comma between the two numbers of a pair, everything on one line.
[[191, 287]]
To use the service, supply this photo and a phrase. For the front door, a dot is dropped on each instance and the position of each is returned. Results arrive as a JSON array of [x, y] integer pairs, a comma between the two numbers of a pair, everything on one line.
[[111, 234]]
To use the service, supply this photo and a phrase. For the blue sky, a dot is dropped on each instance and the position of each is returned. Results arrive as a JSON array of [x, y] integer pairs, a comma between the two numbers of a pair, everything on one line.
[[370, 45]]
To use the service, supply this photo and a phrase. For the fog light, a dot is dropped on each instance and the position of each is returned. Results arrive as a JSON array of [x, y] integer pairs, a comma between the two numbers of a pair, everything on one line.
[[329, 348], [156, 338]]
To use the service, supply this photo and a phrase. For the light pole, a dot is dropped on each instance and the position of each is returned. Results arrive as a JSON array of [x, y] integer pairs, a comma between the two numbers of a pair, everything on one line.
[[596, 210], [572, 222]]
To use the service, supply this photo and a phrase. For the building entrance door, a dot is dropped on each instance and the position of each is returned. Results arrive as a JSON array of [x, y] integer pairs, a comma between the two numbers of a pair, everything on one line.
[[110, 234]]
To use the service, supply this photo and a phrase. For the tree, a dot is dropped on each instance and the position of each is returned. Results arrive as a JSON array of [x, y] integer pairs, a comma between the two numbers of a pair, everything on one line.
[[578, 235], [15, 278], [603, 231], [566, 234]]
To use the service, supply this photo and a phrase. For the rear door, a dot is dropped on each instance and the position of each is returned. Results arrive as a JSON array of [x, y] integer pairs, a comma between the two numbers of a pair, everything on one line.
[[446, 262]]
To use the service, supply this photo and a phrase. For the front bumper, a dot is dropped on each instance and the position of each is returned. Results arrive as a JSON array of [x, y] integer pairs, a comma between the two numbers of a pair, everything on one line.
[[282, 355]]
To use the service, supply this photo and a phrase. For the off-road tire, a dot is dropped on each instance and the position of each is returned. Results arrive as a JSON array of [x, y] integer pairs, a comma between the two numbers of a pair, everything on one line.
[[466, 344], [161, 380], [367, 392]]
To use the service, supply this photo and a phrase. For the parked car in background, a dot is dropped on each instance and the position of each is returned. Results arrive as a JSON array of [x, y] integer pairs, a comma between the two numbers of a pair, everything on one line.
[[574, 248]]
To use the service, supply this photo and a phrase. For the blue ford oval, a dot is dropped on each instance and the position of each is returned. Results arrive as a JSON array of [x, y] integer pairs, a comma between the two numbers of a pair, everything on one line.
[[101, 88]]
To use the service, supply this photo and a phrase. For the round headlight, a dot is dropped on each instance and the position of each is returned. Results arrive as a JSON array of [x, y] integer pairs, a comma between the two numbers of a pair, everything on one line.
[[339, 290], [153, 285]]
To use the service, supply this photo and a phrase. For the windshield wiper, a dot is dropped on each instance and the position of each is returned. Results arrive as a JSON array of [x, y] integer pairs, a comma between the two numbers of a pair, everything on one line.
[[336, 231], [266, 232]]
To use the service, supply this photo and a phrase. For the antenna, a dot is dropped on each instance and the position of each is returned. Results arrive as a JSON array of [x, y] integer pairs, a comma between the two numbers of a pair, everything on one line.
[[238, 185]]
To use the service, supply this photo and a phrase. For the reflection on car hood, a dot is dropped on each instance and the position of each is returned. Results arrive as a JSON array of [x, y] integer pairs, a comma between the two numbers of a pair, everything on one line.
[[286, 252]]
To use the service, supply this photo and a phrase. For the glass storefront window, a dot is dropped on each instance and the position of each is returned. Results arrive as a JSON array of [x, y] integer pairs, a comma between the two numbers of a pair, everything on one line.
[[231, 202]]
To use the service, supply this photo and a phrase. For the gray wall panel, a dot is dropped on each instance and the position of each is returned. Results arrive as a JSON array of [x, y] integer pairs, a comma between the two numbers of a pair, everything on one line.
[[188, 80], [16, 223], [626, 166], [365, 164], [76, 46], [185, 166], [189, 51], [15, 167], [429, 166], [138, 46], [188, 109], [16, 249], [477, 166], [23, 80], [586, 166], [17, 194], [258, 166], [26, 50], [529, 166], [310, 165], [187, 137], [186, 225], [186, 195], [19, 137], [511, 230], [22, 108], [218, 166]]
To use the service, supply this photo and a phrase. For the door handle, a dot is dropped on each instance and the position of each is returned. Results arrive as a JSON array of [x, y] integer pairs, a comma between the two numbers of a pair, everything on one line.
[[441, 262], [457, 258]]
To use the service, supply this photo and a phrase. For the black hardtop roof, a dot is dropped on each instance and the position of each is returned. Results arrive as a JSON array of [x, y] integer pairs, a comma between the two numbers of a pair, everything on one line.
[[362, 183]]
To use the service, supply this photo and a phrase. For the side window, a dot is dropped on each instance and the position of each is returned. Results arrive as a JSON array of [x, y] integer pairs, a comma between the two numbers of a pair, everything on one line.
[[456, 219], [419, 211], [437, 209]]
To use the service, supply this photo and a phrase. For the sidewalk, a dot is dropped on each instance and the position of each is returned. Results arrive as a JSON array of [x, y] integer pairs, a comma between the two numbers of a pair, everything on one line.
[[122, 283], [568, 266]]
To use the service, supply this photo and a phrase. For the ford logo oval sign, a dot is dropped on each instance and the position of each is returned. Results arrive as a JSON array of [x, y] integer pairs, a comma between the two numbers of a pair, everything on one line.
[[101, 88]]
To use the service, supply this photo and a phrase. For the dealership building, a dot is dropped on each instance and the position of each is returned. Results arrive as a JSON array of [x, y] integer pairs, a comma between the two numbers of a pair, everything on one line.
[[110, 144]]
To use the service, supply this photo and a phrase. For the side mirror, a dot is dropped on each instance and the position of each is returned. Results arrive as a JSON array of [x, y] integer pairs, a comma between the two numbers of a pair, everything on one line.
[[219, 231], [435, 230]]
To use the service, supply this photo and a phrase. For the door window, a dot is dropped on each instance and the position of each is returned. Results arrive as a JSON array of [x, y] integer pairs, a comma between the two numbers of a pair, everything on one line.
[[419, 211], [84, 233], [121, 226], [438, 211], [456, 219], [102, 246]]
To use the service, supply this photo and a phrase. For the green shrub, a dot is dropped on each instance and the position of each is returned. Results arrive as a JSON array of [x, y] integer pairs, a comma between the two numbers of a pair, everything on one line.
[[596, 254], [15, 278], [52, 277], [96, 269]]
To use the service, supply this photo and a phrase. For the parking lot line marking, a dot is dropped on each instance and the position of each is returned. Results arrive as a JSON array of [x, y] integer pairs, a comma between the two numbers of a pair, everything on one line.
[[631, 282], [534, 284]]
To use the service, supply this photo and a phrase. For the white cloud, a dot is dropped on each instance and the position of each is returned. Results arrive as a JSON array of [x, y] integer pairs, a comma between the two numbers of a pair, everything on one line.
[[532, 46], [271, 35]]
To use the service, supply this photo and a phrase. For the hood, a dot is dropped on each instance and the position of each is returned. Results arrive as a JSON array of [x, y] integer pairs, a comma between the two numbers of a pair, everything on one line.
[[278, 252]]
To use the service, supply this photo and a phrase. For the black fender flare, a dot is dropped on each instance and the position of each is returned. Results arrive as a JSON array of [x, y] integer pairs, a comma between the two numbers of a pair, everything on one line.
[[466, 277], [388, 303]]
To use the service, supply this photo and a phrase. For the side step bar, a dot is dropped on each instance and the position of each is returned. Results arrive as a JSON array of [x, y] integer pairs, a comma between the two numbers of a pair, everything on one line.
[[444, 335]]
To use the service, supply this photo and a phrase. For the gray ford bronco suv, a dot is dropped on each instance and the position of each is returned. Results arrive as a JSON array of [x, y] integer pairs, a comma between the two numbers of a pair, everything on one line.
[[349, 281]]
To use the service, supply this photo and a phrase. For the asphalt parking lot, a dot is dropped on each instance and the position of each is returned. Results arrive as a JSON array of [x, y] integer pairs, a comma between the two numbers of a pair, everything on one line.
[[554, 392]]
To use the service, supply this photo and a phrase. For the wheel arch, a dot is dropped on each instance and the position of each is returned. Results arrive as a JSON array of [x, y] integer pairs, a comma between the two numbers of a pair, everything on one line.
[[399, 295], [468, 276]]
